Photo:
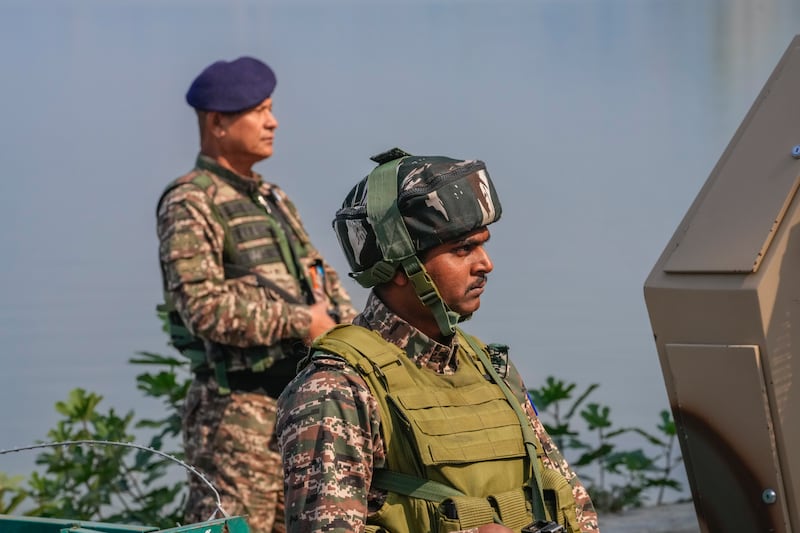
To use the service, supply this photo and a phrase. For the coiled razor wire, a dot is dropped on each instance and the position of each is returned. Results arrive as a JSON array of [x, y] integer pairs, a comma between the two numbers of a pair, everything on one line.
[[90, 442]]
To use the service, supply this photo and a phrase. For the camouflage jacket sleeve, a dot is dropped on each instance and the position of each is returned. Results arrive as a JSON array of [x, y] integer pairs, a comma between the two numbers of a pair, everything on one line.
[[338, 295], [333, 286], [328, 428], [586, 514], [235, 312]]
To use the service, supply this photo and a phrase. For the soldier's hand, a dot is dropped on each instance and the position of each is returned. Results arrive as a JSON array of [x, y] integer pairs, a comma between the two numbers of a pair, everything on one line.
[[494, 528], [321, 321]]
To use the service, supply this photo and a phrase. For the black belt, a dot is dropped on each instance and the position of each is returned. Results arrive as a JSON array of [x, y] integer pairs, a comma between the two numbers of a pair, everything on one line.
[[270, 381]]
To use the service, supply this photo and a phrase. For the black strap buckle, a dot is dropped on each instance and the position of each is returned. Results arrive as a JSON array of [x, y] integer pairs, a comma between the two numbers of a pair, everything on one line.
[[543, 526]]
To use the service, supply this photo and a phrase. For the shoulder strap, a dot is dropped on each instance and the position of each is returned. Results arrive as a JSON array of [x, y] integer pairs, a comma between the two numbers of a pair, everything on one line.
[[205, 183], [537, 497], [413, 486], [202, 181], [236, 271], [369, 353], [289, 210]]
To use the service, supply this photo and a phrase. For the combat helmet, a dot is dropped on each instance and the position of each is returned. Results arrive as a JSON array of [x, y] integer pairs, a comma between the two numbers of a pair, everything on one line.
[[409, 204]]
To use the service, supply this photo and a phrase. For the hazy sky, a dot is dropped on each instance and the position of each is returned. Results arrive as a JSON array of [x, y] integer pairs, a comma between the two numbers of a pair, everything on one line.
[[599, 122]]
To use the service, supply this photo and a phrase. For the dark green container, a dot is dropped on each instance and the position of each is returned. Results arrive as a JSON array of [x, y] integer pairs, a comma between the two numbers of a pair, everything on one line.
[[24, 524]]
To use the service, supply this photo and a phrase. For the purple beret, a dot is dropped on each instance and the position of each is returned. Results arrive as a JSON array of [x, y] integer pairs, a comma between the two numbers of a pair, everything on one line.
[[231, 86]]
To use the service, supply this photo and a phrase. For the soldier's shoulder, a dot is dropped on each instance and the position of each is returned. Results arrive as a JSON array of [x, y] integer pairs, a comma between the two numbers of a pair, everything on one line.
[[326, 367], [197, 184], [197, 178], [322, 360], [322, 371]]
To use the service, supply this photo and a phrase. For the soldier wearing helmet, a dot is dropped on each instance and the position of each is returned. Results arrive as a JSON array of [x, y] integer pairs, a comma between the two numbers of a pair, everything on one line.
[[401, 421]]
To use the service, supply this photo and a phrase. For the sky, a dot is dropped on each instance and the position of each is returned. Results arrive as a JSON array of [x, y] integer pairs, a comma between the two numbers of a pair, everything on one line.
[[599, 122]]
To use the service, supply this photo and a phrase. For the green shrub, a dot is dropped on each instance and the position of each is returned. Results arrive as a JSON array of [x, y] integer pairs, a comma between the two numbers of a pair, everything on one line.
[[103, 482], [616, 479]]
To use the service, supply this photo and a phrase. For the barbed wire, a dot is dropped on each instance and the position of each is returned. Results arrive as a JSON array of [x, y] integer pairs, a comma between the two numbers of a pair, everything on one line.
[[91, 442]]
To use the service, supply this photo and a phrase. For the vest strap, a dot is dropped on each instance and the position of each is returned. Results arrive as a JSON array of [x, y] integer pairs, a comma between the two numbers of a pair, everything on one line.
[[179, 335], [288, 253], [537, 498], [221, 375], [413, 486], [512, 509], [473, 512], [382, 361], [562, 510]]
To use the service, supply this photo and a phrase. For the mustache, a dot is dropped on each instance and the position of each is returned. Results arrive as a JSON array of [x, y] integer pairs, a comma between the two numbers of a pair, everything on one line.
[[478, 283]]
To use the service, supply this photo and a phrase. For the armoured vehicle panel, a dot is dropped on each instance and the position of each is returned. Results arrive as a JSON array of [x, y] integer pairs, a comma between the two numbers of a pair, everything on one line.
[[724, 305]]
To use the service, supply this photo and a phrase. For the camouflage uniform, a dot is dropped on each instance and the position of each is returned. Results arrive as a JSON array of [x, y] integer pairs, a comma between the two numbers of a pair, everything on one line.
[[227, 436], [329, 432]]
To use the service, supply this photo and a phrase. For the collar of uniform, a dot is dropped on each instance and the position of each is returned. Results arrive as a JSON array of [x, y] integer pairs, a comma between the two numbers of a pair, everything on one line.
[[247, 184], [420, 348]]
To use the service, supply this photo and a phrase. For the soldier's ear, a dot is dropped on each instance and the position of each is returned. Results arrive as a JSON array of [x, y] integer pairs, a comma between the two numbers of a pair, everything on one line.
[[206, 120], [215, 122], [398, 281]]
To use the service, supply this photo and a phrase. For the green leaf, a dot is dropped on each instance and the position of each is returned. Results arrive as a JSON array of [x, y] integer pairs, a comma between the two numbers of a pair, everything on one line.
[[581, 399], [149, 358], [595, 454], [632, 461], [596, 416], [667, 425], [652, 439]]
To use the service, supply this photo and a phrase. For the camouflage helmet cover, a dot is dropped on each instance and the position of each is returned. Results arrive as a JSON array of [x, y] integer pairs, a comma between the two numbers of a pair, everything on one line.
[[440, 199]]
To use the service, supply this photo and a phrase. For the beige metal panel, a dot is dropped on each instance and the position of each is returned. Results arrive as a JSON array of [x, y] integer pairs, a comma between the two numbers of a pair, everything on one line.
[[779, 297], [752, 184], [704, 315], [727, 282], [725, 418]]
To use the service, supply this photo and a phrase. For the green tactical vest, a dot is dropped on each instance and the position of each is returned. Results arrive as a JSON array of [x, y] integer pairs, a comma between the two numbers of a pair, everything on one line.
[[247, 220], [454, 444]]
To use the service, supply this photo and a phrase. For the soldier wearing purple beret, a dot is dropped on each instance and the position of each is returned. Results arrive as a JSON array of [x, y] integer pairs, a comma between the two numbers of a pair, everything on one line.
[[245, 291]]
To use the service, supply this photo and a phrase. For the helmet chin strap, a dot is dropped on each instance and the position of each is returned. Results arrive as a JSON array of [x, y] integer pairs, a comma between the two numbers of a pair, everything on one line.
[[397, 247], [428, 294]]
